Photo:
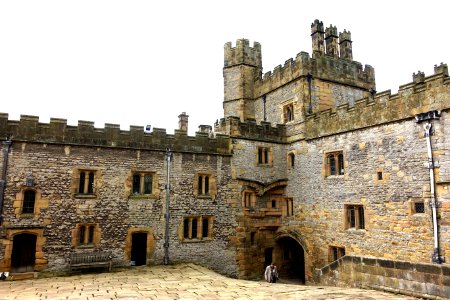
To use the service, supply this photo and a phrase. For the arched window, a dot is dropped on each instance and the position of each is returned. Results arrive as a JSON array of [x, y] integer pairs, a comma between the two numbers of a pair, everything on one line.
[[29, 200]]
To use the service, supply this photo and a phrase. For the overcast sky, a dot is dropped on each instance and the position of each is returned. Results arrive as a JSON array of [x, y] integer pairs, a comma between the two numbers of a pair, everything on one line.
[[145, 62]]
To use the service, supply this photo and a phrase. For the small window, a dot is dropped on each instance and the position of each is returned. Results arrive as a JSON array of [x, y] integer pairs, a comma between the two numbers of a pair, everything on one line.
[[205, 227], [288, 209], [355, 216], [28, 202], [380, 175], [142, 183], [203, 185], [291, 160], [419, 207], [186, 228], [196, 228], [248, 199], [288, 112], [274, 203], [263, 155], [86, 234], [334, 164], [86, 182], [334, 253]]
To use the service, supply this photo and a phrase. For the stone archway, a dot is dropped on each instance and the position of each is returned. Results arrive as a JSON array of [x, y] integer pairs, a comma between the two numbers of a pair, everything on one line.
[[289, 256]]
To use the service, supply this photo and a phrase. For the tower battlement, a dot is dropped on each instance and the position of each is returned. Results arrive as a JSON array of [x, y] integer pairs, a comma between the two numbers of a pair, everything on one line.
[[29, 129], [325, 67], [242, 54]]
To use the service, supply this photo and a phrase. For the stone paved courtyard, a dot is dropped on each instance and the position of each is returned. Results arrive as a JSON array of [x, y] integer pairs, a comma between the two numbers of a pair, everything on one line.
[[186, 281]]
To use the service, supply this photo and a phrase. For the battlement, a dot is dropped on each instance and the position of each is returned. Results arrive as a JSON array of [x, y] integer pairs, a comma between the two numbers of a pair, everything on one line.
[[322, 67], [28, 129], [421, 95], [242, 54], [251, 130]]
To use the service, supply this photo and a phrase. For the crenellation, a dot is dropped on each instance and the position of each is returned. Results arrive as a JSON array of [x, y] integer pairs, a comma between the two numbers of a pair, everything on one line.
[[419, 77], [412, 98], [242, 54], [57, 131], [441, 69], [325, 67]]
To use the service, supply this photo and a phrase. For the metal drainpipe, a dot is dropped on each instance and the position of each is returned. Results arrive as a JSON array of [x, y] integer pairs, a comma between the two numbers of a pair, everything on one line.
[[6, 146], [264, 106], [167, 214], [436, 257]]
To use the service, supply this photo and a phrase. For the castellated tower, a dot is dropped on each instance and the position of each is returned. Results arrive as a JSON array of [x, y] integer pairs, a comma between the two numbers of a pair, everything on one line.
[[331, 39], [317, 36], [345, 45], [242, 66]]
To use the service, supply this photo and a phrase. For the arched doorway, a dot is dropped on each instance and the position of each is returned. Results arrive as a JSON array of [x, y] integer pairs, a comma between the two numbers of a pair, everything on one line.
[[23, 253], [139, 248], [290, 258]]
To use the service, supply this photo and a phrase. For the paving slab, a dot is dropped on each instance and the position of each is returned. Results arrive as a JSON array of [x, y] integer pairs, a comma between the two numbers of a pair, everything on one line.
[[184, 281]]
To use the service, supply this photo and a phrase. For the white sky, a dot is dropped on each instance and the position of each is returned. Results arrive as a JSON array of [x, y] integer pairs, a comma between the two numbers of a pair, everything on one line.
[[145, 62]]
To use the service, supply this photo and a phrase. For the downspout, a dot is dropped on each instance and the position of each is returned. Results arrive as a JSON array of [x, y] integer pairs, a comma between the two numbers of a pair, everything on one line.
[[6, 146], [264, 107], [167, 214], [309, 79], [436, 257]]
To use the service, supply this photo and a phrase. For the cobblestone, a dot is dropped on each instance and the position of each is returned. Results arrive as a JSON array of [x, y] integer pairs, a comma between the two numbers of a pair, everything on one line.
[[185, 281]]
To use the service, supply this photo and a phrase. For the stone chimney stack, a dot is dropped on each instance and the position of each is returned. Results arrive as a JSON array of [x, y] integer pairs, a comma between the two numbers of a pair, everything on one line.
[[183, 122]]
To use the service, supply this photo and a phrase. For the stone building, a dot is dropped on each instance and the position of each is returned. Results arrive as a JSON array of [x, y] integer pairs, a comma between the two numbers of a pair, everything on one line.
[[310, 168]]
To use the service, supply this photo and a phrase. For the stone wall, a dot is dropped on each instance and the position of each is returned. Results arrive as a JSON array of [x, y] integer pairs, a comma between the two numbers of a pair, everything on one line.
[[422, 280], [113, 208]]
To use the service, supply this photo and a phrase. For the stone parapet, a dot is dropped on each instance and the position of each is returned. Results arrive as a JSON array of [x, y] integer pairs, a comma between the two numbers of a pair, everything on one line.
[[264, 131], [424, 280], [29, 129], [430, 93]]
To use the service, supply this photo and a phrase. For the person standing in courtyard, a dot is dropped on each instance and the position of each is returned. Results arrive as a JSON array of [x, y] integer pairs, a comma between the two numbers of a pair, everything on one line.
[[271, 273]]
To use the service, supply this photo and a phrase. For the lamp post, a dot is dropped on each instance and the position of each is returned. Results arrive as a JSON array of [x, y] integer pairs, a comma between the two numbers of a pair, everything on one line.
[[167, 213]]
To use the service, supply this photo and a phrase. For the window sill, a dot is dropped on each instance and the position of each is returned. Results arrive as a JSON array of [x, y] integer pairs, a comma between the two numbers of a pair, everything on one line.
[[204, 196], [142, 196], [265, 165], [188, 241], [85, 196], [27, 215], [355, 230], [335, 176], [85, 246]]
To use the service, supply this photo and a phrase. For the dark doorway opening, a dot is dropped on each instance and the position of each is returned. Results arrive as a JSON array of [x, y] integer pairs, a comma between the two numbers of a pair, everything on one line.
[[139, 248], [23, 253], [267, 257], [292, 259]]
